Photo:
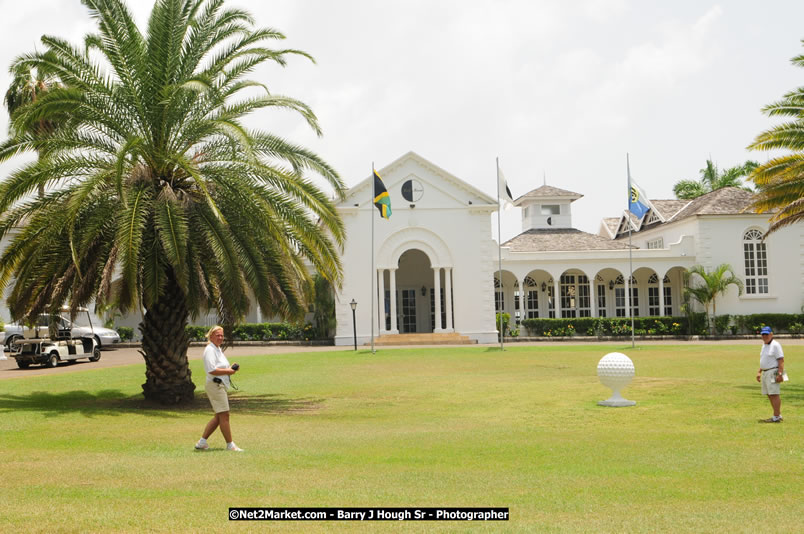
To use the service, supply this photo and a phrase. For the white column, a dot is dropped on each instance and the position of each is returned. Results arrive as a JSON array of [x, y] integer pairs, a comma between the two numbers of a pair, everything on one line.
[[661, 296], [592, 297], [523, 300], [392, 289], [543, 311], [437, 298], [381, 286], [448, 297], [556, 298]]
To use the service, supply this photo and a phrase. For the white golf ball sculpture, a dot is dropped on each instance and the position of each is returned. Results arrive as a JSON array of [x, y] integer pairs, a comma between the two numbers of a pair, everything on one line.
[[615, 371]]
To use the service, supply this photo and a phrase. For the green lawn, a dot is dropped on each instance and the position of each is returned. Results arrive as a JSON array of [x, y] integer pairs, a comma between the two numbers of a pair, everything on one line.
[[416, 427]]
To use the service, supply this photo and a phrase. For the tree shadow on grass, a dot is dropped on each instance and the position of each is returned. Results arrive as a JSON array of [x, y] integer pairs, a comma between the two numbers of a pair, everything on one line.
[[115, 402], [791, 394]]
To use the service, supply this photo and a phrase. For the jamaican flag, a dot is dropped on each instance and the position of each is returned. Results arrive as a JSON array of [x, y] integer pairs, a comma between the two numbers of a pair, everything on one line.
[[381, 198]]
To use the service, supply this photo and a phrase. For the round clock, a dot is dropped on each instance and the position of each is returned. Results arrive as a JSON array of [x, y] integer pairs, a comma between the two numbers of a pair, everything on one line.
[[412, 190]]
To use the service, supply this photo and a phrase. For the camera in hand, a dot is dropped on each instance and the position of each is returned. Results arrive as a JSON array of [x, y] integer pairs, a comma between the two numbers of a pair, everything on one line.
[[236, 367]]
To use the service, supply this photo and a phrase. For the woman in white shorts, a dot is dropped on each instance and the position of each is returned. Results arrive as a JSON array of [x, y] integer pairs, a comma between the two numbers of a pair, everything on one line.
[[218, 372]]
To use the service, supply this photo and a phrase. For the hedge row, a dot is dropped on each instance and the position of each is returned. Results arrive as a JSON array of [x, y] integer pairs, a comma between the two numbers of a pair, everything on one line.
[[696, 324], [260, 332], [785, 323], [615, 326]]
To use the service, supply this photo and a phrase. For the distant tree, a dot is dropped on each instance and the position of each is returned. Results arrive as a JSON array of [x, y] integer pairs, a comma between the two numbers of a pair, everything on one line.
[[713, 179], [780, 181], [714, 284], [29, 84]]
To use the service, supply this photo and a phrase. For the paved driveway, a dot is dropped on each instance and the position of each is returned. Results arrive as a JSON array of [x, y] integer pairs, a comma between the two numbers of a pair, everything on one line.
[[131, 356]]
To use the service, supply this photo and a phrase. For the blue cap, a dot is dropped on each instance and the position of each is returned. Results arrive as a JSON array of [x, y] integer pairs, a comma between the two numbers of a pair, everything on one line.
[[766, 330]]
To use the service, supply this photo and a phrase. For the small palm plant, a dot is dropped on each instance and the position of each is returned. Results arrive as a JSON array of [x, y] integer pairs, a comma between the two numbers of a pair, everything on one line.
[[713, 284]]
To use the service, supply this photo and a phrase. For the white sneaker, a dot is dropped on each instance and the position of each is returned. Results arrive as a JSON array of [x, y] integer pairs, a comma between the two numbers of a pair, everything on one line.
[[201, 445], [233, 447]]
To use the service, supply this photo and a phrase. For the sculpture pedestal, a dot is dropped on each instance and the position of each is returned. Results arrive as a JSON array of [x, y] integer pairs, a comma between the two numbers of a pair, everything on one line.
[[616, 401], [615, 370]]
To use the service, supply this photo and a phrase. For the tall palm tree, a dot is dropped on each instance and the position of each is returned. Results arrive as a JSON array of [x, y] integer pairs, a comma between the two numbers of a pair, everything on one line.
[[713, 179], [780, 181], [27, 85], [161, 198], [714, 283]]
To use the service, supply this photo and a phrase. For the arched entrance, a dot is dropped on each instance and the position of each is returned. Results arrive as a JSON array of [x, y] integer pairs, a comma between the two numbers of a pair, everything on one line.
[[414, 266], [415, 284]]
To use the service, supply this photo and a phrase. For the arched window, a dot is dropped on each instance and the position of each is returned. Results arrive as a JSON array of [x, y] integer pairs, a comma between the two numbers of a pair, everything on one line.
[[632, 284], [756, 263], [575, 296], [531, 298], [601, 296], [619, 296], [653, 295]]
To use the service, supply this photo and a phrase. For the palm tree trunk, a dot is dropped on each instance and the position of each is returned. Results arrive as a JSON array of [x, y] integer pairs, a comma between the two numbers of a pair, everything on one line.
[[164, 342]]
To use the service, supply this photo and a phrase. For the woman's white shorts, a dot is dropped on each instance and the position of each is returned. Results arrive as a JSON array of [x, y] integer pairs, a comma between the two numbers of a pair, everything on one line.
[[216, 393]]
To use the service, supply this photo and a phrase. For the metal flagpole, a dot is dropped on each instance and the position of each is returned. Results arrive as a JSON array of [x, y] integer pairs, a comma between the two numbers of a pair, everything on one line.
[[630, 253], [499, 256], [373, 271]]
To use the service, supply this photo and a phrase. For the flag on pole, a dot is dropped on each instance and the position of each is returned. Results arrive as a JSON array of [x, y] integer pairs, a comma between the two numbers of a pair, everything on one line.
[[506, 197], [381, 198], [638, 202]]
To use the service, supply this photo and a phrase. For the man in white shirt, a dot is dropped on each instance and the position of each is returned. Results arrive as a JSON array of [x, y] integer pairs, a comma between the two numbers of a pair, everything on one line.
[[771, 373]]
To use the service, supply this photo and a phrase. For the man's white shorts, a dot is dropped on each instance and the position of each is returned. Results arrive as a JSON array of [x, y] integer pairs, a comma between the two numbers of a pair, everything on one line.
[[769, 384], [216, 393]]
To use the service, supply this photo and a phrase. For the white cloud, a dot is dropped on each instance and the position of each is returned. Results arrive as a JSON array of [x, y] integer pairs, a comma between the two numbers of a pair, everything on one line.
[[566, 87], [603, 10], [682, 52]]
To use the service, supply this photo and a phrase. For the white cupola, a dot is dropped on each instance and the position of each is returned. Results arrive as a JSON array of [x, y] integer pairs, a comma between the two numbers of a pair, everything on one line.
[[546, 207]]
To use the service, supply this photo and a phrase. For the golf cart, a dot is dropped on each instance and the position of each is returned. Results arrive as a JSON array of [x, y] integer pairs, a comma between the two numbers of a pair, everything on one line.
[[49, 342]]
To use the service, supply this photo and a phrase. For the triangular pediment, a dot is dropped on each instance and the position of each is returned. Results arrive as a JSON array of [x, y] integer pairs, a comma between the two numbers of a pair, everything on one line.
[[414, 182]]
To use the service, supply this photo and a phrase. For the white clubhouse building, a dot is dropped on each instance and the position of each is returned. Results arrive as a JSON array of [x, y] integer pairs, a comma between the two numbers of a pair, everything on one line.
[[438, 241]]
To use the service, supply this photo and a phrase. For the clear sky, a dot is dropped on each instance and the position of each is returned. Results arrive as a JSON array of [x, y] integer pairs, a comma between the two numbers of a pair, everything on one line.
[[562, 89]]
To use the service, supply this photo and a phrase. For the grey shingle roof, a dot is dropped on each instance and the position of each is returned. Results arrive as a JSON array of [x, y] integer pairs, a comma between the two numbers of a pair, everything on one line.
[[561, 239], [548, 191], [612, 223], [726, 201], [668, 208]]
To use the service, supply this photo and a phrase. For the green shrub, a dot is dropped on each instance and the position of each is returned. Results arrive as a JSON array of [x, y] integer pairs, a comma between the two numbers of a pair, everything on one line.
[[260, 332], [506, 319], [616, 326], [722, 323], [197, 333], [780, 322], [126, 333]]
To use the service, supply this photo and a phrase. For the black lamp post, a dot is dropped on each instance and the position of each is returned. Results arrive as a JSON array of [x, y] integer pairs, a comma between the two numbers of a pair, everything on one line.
[[353, 304]]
